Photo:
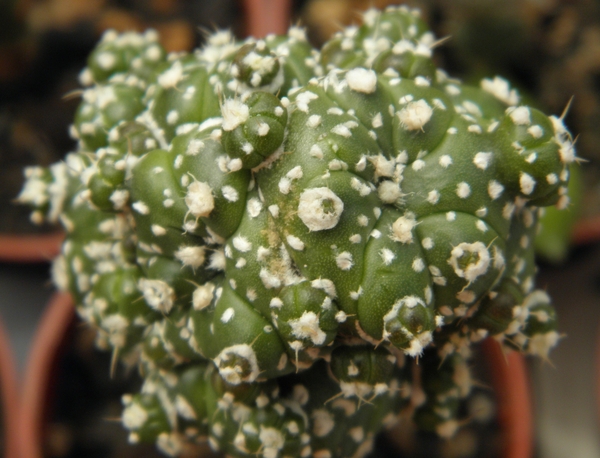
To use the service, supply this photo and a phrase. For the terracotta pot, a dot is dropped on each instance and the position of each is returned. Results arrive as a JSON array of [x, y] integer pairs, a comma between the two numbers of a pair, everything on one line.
[[597, 384], [267, 16], [51, 335], [9, 397], [30, 248], [511, 384], [586, 230]]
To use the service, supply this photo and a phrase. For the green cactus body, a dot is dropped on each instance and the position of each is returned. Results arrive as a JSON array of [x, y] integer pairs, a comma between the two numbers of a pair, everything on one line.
[[127, 142], [444, 391], [274, 234], [102, 108], [129, 54]]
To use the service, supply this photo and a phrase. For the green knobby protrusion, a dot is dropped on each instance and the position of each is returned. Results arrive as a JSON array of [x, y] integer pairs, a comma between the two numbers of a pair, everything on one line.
[[496, 311], [256, 65], [253, 127], [154, 352], [214, 184], [243, 343], [126, 143], [145, 417], [36, 192], [445, 382], [395, 39], [535, 327], [166, 284], [159, 209], [102, 108], [541, 329], [407, 62], [128, 53], [307, 319], [184, 94], [395, 301], [114, 300], [343, 420], [297, 58], [363, 365]]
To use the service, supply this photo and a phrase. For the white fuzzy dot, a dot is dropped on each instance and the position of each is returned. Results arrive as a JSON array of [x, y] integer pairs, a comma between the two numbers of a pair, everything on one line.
[[230, 193], [463, 190], [535, 131], [551, 178], [158, 230], [285, 185], [344, 260], [295, 242], [481, 212], [388, 191], [402, 228], [362, 80], [203, 296], [320, 208], [234, 114], [172, 117], [313, 121], [495, 189], [500, 89], [254, 207], [520, 115], [316, 151], [415, 115], [362, 220], [263, 129], [355, 238], [418, 265], [377, 121], [433, 197], [141, 207], [417, 165], [445, 161], [274, 210], [482, 160], [342, 130], [228, 315], [199, 199], [527, 183], [427, 243], [452, 89], [242, 244]]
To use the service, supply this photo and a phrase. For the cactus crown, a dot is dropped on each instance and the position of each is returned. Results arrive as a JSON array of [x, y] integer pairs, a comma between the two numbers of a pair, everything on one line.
[[273, 233]]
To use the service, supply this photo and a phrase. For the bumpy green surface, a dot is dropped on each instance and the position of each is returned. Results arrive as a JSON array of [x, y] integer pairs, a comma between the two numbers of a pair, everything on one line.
[[275, 234]]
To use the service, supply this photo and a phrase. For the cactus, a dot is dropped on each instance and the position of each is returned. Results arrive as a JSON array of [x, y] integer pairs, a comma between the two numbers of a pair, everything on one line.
[[277, 235]]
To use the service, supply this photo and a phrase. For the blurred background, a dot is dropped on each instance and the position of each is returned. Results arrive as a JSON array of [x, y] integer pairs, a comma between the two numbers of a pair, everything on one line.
[[548, 49]]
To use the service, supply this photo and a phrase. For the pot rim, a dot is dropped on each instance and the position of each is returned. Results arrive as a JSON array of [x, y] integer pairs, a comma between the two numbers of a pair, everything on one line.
[[10, 398], [30, 248], [50, 336], [512, 386]]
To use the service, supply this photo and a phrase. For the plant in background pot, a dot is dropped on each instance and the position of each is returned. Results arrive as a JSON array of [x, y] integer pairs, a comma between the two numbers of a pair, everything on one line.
[[296, 246]]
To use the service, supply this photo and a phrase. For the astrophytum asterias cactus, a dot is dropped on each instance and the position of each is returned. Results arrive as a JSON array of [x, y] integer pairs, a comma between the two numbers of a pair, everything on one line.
[[277, 235]]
